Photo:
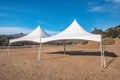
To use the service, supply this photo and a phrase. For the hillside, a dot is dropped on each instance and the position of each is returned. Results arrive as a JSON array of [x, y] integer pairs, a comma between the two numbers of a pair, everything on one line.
[[112, 32]]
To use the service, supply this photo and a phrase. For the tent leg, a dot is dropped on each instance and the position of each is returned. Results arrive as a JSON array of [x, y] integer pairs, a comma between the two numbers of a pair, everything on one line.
[[104, 63], [39, 52], [64, 48], [8, 48], [101, 54]]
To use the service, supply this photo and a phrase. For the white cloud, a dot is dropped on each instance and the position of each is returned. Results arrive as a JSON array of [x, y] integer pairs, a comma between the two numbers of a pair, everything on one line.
[[114, 5], [95, 9], [41, 22], [115, 1], [109, 6], [91, 3], [13, 30], [11, 9], [16, 9], [6, 15], [52, 32]]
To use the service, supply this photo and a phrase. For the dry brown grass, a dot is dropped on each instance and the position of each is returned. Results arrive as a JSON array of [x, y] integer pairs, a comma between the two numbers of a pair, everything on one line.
[[79, 63], [117, 41], [108, 41]]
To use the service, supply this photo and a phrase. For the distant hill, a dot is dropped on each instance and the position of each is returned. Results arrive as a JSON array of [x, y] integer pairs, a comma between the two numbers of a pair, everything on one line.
[[113, 32], [4, 39], [97, 31]]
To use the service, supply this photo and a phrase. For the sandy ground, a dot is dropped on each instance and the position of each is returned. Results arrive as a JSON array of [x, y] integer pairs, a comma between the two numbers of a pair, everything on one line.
[[79, 63]]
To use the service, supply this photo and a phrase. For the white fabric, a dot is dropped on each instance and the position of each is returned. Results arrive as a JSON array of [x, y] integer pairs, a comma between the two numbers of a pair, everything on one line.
[[33, 36], [74, 31]]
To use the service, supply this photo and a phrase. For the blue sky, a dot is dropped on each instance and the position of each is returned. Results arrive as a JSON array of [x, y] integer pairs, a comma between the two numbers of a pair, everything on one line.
[[53, 16]]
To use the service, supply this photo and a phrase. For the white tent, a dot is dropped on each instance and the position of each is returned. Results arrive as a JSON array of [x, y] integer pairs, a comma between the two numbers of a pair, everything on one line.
[[73, 32], [34, 36], [76, 32]]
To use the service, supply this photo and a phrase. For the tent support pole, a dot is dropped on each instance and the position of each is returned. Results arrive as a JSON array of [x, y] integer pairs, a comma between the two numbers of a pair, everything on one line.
[[104, 63], [64, 48], [8, 48], [101, 54], [39, 50]]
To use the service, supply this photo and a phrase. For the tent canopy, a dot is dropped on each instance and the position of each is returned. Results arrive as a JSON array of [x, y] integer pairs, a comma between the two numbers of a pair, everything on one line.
[[74, 31], [33, 36]]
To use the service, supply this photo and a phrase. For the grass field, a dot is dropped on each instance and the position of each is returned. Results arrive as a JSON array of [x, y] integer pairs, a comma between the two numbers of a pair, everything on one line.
[[79, 63]]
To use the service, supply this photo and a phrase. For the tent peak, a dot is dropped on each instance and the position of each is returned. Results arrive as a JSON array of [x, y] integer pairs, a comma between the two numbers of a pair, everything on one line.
[[42, 32], [39, 26], [75, 21]]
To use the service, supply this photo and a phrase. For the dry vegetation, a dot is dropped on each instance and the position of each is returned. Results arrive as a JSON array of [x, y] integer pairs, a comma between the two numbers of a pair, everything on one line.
[[79, 63]]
